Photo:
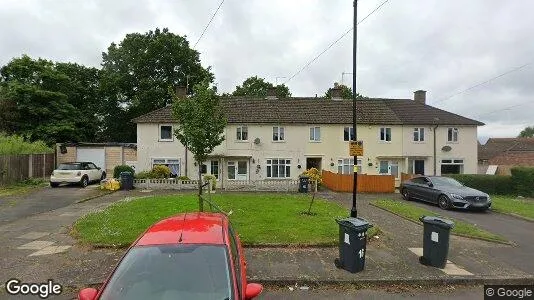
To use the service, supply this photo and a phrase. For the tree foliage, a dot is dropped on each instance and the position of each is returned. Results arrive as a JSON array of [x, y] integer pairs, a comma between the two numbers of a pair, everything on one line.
[[346, 93], [528, 132], [201, 124], [137, 73], [258, 87]]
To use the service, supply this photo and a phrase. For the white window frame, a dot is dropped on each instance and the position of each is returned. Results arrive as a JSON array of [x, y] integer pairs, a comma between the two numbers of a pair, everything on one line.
[[419, 134], [286, 167], [280, 134], [350, 129], [315, 134], [347, 164], [454, 161], [216, 174], [454, 134], [385, 131], [166, 161], [240, 130], [160, 139]]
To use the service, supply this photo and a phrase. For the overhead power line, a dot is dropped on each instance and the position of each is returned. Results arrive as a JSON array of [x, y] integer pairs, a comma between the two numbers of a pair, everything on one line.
[[208, 25], [506, 108], [333, 43], [484, 82]]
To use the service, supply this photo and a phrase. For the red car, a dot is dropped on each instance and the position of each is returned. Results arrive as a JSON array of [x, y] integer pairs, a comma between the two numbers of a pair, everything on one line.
[[188, 256]]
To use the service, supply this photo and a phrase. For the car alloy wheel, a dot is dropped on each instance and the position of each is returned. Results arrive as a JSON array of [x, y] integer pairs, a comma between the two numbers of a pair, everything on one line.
[[405, 194], [85, 182], [443, 202]]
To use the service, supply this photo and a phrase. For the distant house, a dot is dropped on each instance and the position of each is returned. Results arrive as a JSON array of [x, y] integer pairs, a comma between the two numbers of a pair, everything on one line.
[[271, 139], [506, 153]]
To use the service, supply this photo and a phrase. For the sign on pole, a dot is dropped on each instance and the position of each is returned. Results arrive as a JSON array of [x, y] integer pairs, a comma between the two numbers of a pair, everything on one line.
[[356, 148]]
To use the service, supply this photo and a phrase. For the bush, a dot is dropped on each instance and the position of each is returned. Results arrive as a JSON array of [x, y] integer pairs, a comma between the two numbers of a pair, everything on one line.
[[523, 181], [184, 178], [122, 168], [314, 175], [491, 184], [213, 181], [143, 175], [160, 171], [15, 144]]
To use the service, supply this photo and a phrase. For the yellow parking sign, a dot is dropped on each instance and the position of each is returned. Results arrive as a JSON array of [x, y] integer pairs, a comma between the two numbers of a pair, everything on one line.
[[356, 148]]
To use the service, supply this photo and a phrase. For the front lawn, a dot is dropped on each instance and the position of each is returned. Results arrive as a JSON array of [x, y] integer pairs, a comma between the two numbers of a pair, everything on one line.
[[260, 219], [413, 213], [513, 205]]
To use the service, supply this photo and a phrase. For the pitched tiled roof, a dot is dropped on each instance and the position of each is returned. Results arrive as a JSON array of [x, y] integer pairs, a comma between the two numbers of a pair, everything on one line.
[[324, 111], [498, 146], [514, 158]]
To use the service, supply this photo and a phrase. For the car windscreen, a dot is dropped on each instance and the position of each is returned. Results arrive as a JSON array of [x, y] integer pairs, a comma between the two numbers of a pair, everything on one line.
[[69, 167], [172, 272], [445, 181]]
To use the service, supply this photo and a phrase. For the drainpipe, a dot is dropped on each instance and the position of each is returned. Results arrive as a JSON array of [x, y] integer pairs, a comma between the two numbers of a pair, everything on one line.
[[435, 162]]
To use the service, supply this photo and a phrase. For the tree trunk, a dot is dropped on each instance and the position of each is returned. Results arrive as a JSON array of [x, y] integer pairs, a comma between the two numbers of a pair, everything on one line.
[[200, 200]]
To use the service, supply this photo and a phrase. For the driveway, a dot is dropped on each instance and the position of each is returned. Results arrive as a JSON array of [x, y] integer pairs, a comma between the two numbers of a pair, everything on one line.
[[516, 230], [42, 200]]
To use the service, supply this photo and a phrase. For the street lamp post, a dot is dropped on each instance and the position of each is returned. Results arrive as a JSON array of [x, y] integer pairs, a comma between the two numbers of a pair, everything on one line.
[[353, 210]]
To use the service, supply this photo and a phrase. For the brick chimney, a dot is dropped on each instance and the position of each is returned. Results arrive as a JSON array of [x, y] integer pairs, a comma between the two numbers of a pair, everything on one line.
[[181, 92], [336, 92], [271, 93], [419, 96]]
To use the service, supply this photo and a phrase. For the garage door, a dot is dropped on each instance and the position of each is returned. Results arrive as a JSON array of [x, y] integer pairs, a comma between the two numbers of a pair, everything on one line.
[[95, 155]]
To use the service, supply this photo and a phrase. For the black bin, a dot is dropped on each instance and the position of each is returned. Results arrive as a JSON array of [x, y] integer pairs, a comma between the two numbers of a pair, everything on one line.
[[126, 181], [304, 183], [435, 241], [352, 244]]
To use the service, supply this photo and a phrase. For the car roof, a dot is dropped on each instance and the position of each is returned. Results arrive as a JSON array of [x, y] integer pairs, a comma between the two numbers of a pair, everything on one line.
[[187, 228]]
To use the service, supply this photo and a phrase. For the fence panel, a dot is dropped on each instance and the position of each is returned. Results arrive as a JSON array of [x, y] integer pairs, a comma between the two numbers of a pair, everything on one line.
[[15, 168], [366, 183]]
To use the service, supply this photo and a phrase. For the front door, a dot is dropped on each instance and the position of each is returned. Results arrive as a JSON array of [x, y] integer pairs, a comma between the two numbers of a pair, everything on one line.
[[238, 170], [389, 167], [313, 162], [419, 167]]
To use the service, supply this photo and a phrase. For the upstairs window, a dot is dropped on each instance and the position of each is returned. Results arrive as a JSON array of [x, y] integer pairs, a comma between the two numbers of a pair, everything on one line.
[[419, 134], [278, 133], [242, 133], [385, 134], [452, 134], [348, 134], [315, 134], [165, 132]]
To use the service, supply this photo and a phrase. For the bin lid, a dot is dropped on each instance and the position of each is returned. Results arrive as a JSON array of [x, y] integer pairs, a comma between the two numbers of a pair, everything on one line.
[[126, 173], [437, 221], [356, 223]]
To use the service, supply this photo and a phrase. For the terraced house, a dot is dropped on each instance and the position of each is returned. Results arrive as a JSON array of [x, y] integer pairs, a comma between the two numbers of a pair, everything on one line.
[[279, 138]]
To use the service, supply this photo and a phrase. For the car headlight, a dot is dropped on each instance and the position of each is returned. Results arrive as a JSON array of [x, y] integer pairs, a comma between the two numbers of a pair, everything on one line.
[[456, 196]]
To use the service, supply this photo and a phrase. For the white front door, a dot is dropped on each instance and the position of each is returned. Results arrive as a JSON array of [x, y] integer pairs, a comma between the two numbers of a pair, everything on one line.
[[238, 170]]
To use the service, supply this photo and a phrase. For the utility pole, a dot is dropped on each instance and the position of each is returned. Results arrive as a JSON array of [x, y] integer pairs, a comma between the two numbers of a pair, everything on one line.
[[353, 210]]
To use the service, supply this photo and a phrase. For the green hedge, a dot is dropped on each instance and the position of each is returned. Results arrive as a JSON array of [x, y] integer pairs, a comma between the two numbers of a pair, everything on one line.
[[122, 168], [523, 181], [491, 184]]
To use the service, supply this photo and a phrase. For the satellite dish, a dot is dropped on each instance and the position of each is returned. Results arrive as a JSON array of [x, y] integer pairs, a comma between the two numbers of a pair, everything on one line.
[[257, 141], [446, 148]]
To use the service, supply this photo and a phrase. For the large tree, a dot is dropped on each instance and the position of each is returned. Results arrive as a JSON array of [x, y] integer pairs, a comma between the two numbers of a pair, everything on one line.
[[137, 73], [201, 124], [34, 102], [528, 132], [258, 87], [346, 92]]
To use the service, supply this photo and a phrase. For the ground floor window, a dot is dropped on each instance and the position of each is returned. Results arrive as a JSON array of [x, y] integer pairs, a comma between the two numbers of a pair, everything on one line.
[[172, 163], [278, 168], [389, 167], [452, 166], [346, 165]]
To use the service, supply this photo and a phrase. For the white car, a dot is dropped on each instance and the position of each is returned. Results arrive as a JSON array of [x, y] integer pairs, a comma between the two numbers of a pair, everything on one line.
[[76, 172]]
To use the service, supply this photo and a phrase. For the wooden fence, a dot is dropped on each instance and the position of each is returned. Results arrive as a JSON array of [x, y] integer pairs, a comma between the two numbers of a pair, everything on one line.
[[14, 168], [366, 183]]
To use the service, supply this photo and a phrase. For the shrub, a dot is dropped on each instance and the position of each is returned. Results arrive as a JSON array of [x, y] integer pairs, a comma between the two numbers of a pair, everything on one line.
[[523, 181], [491, 184], [160, 171], [15, 144], [143, 175], [213, 181], [122, 168], [314, 175], [184, 178]]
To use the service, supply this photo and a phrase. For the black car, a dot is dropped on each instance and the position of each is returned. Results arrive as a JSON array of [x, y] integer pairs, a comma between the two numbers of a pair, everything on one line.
[[445, 192]]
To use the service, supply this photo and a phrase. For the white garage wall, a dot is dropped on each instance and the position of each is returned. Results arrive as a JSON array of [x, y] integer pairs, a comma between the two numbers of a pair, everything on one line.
[[94, 155]]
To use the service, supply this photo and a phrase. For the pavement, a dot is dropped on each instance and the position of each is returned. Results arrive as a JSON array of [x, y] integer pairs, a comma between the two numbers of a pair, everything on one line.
[[38, 247]]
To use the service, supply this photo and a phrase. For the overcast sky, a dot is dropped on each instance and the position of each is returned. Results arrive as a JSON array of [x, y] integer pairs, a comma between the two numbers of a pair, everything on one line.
[[443, 47]]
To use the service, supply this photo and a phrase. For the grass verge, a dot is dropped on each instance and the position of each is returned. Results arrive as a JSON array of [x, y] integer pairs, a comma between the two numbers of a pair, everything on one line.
[[261, 219], [413, 213], [21, 187], [513, 206]]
